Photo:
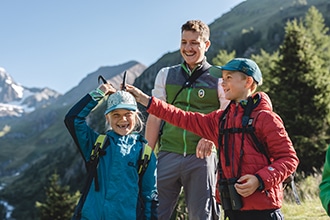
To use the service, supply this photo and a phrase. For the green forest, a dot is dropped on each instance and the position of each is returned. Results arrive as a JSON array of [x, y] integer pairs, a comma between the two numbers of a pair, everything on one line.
[[296, 77]]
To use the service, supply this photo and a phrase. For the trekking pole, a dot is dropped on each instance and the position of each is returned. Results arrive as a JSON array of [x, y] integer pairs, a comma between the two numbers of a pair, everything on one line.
[[124, 82], [102, 78]]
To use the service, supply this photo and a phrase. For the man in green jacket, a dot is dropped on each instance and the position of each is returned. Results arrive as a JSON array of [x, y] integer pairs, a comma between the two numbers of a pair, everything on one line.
[[182, 159]]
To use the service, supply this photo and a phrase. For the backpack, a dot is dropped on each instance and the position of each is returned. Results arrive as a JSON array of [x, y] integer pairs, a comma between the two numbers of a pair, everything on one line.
[[248, 128], [91, 166]]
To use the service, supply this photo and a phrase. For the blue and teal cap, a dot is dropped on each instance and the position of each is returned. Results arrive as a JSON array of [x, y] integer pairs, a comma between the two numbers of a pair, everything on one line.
[[121, 100], [246, 66]]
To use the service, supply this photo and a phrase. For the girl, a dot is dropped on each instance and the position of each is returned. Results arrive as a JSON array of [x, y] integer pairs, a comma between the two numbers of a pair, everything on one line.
[[117, 172]]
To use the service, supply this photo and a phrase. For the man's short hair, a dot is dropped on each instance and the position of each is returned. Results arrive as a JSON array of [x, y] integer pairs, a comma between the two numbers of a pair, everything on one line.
[[197, 26]]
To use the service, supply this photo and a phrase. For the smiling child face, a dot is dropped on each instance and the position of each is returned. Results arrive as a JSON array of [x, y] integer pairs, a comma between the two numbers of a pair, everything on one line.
[[236, 85], [122, 121]]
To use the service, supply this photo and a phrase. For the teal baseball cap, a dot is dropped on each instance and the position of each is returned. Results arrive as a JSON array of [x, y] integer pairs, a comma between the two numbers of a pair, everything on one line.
[[121, 100], [246, 66]]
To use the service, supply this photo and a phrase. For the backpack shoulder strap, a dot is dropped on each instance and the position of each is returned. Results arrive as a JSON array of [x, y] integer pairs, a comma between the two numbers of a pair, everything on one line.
[[97, 151], [248, 123], [98, 145], [261, 148], [144, 159]]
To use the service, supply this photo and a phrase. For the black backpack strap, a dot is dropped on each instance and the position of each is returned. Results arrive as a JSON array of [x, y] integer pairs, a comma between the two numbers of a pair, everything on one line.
[[221, 137], [192, 78], [146, 152], [259, 146], [145, 156], [98, 150], [247, 123]]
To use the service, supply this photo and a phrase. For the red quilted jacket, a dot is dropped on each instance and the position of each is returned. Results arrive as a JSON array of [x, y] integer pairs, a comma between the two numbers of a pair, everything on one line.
[[243, 158]]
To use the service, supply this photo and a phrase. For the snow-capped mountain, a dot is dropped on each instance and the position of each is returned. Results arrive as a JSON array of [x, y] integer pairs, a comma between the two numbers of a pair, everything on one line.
[[16, 100]]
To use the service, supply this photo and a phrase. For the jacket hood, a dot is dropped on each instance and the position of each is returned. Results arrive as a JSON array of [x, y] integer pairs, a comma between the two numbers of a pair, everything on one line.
[[264, 102]]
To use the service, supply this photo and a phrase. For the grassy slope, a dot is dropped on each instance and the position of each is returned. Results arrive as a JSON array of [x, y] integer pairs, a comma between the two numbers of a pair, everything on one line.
[[311, 210]]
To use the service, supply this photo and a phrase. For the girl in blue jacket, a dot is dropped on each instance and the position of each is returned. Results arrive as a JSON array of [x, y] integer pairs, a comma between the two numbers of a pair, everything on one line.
[[117, 171]]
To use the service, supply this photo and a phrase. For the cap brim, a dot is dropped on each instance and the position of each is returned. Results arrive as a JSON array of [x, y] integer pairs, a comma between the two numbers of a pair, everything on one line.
[[215, 71], [229, 68], [121, 106]]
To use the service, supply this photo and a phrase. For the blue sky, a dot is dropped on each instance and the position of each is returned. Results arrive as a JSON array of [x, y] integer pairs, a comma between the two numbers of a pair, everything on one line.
[[56, 43]]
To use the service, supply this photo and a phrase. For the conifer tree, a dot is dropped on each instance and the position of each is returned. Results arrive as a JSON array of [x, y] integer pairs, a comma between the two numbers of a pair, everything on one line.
[[302, 95], [266, 63], [223, 57], [59, 204], [315, 25]]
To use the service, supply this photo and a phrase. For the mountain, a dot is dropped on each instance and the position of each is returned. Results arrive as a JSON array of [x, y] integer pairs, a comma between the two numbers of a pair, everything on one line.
[[17, 100], [114, 75], [46, 112], [37, 145]]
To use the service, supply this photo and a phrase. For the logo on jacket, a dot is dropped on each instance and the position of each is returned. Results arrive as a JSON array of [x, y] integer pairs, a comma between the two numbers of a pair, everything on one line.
[[201, 93]]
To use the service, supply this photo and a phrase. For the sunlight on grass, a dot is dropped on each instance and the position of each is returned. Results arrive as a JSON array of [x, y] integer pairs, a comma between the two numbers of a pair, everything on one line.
[[311, 207], [311, 210]]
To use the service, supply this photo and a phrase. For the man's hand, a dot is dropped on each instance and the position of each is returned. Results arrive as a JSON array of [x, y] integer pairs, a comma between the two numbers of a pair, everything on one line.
[[204, 148], [247, 185]]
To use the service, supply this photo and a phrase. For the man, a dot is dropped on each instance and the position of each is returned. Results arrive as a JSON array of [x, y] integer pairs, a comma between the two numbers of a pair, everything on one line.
[[183, 158]]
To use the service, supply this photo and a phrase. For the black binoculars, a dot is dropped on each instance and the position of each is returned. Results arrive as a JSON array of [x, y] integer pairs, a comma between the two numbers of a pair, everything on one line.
[[230, 199]]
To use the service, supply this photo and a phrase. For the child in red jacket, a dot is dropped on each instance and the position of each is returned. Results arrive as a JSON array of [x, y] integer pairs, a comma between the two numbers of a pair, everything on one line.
[[250, 179]]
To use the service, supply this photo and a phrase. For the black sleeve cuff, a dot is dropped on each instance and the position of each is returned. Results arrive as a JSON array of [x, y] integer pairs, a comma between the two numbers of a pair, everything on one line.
[[262, 186], [149, 103]]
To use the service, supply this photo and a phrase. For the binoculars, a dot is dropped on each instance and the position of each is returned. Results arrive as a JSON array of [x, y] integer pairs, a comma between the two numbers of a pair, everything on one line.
[[230, 199]]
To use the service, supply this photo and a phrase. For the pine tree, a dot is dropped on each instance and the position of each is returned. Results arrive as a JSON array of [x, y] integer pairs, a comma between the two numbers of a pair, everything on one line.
[[223, 57], [59, 203], [266, 63], [315, 25], [302, 95]]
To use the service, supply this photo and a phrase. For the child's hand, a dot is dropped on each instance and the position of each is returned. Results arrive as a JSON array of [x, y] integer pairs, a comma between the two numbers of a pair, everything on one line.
[[107, 88], [246, 185], [138, 94]]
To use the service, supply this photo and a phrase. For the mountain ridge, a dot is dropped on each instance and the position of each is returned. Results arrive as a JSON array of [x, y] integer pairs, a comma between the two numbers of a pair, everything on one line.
[[47, 146], [17, 100]]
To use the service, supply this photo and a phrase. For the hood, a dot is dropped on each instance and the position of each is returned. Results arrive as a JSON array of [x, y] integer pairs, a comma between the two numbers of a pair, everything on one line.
[[264, 101]]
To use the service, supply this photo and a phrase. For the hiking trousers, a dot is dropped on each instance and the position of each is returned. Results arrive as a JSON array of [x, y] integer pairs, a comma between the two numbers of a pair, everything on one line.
[[198, 179], [273, 214]]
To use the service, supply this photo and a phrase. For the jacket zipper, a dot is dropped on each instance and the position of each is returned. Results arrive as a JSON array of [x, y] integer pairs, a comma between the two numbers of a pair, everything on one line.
[[189, 72], [185, 131]]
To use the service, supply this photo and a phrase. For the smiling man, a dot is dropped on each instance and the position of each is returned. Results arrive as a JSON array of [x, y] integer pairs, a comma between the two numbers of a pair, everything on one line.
[[183, 160]]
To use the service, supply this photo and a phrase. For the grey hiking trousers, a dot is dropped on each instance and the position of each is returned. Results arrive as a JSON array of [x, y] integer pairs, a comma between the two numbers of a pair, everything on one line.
[[198, 179]]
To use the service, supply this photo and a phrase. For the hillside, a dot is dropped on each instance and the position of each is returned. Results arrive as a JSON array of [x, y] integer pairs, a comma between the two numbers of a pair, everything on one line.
[[43, 130], [39, 144], [247, 28]]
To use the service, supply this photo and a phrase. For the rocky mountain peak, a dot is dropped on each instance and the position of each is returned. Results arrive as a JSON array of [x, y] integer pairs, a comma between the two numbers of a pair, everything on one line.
[[16, 100]]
